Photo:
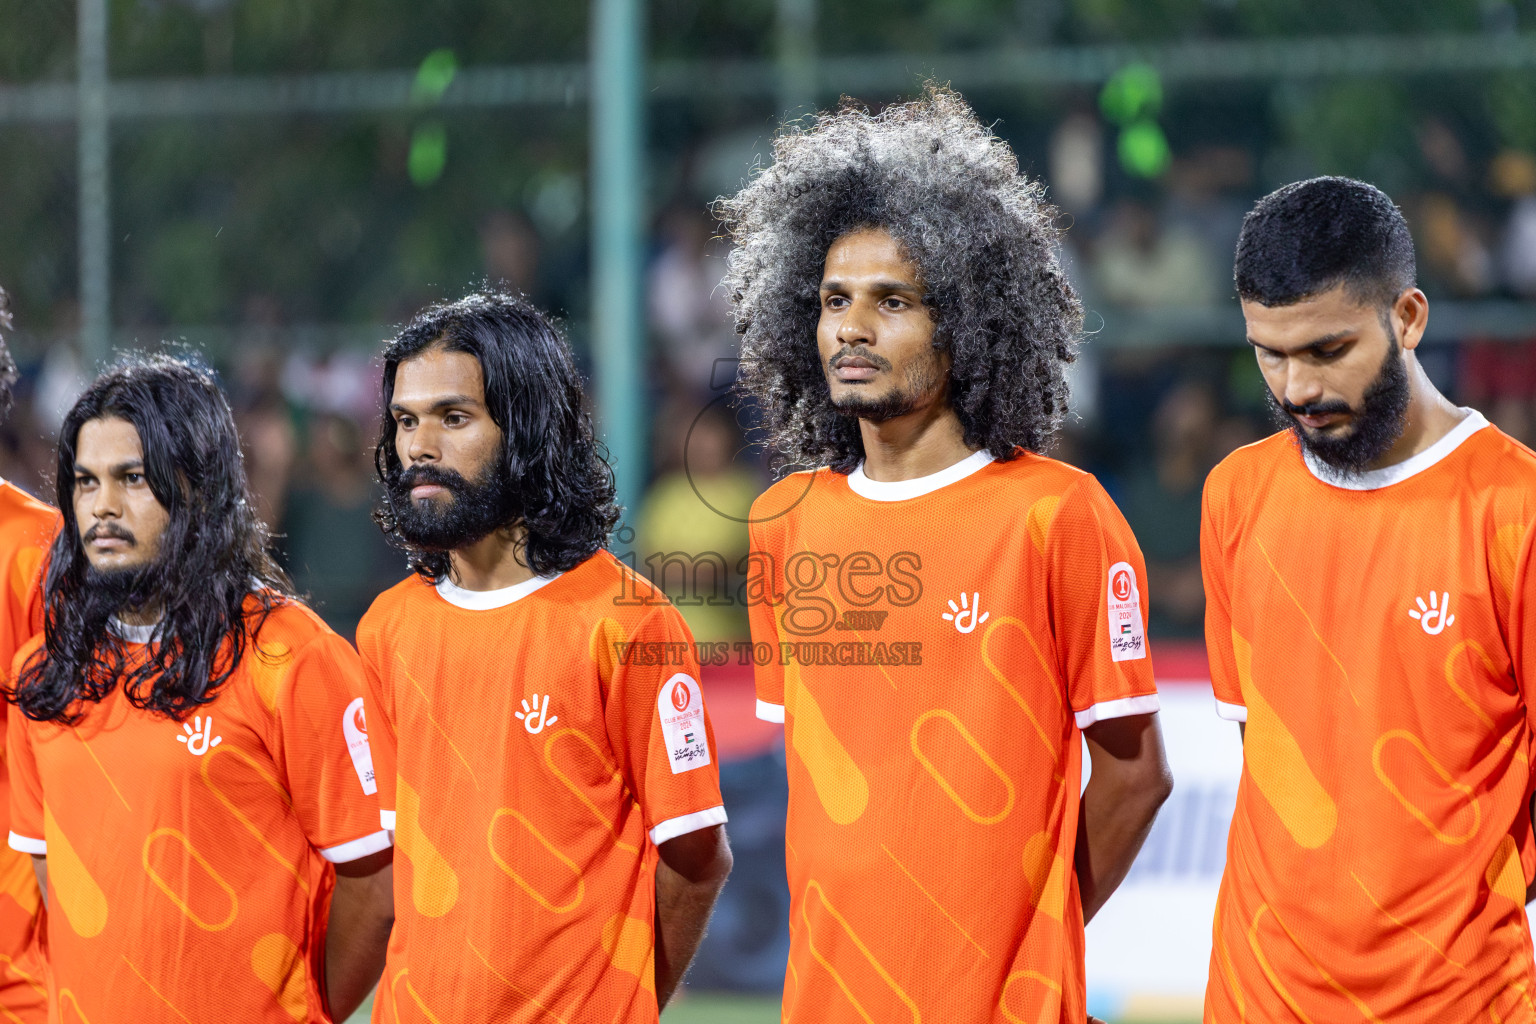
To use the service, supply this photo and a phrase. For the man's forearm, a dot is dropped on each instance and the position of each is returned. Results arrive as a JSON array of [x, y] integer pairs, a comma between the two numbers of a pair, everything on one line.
[[1113, 822], [357, 937], [685, 897]]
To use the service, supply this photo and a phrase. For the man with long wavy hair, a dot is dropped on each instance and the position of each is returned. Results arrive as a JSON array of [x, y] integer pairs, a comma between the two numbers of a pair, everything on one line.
[[26, 528], [945, 612], [189, 763], [542, 746]]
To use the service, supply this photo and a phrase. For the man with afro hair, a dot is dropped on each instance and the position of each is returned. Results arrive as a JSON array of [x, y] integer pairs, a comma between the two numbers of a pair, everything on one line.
[[947, 611]]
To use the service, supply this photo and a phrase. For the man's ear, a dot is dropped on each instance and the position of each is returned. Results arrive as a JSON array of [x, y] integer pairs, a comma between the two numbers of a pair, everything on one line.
[[1410, 318]]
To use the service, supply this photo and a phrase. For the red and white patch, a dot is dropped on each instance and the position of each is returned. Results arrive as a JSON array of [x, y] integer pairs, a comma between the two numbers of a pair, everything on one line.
[[681, 707], [1127, 633], [354, 729]]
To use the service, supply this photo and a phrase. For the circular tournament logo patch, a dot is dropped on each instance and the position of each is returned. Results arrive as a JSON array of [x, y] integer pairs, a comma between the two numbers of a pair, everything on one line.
[[681, 695]]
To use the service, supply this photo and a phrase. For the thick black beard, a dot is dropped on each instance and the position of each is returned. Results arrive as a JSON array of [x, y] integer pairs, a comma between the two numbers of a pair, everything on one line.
[[1378, 423], [473, 511], [111, 592]]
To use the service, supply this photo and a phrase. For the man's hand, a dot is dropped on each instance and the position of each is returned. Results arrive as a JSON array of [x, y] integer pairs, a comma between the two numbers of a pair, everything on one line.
[[1130, 781], [357, 935], [688, 881]]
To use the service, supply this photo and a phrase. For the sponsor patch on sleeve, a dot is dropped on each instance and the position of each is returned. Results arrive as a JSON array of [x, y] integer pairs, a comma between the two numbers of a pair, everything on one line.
[[681, 706], [1127, 634], [354, 729]]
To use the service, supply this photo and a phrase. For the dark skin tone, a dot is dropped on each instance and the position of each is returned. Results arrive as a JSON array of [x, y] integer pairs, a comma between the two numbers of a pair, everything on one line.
[[113, 497], [689, 878], [441, 417], [1330, 347], [875, 337]]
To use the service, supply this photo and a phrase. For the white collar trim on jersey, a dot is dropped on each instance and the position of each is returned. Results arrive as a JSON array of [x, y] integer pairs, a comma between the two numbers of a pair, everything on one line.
[[130, 633], [486, 600], [1386, 476], [901, 490]]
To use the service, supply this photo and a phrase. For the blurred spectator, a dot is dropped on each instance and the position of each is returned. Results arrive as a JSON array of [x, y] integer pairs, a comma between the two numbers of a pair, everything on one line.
[[1452, 252], [691, 528], [510, 249], [334, 551], [1513, 176], [1161, 501], [687, 309], [1140, 265], [1076, 161]]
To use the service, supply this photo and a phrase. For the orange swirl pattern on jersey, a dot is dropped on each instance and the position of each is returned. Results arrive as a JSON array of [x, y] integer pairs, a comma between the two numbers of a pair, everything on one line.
[[934, 795], [1375, 637]]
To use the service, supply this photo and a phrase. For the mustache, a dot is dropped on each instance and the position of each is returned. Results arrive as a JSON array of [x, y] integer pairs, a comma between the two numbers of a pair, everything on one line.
[[415, 476], [109, 529], [858, 352], [1317, 408]]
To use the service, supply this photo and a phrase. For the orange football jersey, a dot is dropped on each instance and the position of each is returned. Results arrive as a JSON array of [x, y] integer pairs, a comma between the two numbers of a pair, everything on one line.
[[535, 745], [27, 527], [1378, 636], [933, 648], [189, 868]]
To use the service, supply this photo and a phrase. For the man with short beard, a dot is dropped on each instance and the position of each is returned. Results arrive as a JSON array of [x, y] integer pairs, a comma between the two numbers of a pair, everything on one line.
[[27, 527], [1371, 623], [190, 766], [543, 752], [951, 613]]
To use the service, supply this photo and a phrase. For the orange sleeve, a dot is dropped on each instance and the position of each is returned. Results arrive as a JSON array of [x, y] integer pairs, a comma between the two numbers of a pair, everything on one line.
[[661, 733], [762, 616], [1218, 610], [1522, 623], [325, 751], [1098, 607], [26, 832], [381, 726]]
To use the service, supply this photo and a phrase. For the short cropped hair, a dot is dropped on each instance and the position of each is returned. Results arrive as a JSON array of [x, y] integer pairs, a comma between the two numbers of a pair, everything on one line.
[[1312, 236]]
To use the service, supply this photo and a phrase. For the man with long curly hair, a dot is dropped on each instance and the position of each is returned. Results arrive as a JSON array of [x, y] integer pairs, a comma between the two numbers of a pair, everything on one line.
[[188, 767], [27, 527], [543, 751], [940, 612]]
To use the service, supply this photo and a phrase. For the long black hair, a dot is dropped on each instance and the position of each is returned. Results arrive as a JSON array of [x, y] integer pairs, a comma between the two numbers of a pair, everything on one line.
[[213, 580], [563, 489], [983, 239]]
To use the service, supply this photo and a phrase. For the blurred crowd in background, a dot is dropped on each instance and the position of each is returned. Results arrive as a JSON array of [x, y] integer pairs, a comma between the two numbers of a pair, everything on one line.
[[283, 250]]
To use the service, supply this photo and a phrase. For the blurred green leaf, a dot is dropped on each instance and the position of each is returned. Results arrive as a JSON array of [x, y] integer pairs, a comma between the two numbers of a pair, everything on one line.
[[1144, 150], [429, 153], [435, 75], [1133, 93]]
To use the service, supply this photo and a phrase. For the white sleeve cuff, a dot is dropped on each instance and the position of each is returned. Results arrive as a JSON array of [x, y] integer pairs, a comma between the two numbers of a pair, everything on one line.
[[674, 827], [26, 844], [1146, 704], [357, 848], [387, 819], [770, 712], [1232, 712]]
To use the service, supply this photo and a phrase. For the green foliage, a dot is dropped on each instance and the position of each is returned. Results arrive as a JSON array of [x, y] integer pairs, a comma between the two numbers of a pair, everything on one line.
[[1143, 149], [1133, 93], [429, 153], [435, 75]]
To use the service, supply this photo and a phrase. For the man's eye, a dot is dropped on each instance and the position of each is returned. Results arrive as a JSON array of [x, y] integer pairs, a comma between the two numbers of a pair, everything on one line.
[[835, 302], [405, 422], [455, 419], [133, 478], [894, 303], [1330, 353]]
